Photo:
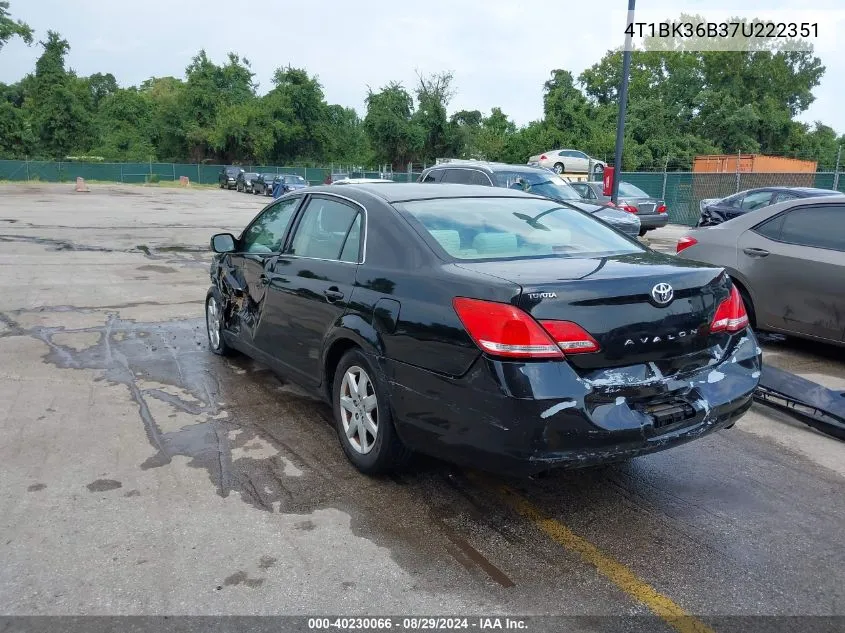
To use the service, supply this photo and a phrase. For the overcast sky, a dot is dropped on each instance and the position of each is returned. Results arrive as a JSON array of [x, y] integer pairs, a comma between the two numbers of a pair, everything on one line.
[[500, 51]]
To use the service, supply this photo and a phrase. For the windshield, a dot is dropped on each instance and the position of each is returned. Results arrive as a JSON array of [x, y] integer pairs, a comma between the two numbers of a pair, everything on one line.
[[630, 191], [501, 228], [233, 171], [294, 180], [546, 184], [250, 175], [268, 176]]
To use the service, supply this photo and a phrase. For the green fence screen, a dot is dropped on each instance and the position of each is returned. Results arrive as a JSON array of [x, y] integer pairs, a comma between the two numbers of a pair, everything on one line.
[[682, 191]]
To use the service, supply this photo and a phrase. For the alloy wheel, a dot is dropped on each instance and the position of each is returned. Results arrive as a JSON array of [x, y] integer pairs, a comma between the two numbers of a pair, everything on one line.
[[212, 322], [359, 409]]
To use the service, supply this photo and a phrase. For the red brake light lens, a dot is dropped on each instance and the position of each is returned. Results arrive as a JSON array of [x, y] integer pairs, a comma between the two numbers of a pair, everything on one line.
[[504, 330], [685, 242], [730, 315], [543, 157], [661, 208], [571, 337], [628, 208]]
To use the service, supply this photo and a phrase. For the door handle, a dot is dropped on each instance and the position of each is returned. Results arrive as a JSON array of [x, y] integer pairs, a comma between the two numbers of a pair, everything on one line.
[[333, 294], [264, 279], [755, 252]]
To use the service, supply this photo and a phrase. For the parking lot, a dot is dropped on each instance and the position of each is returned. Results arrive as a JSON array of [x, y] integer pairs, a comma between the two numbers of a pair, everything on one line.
[[140, 474]]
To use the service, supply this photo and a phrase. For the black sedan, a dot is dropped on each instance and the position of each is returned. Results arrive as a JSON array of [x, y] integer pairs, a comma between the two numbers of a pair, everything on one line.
[[717, 210], [264, 183], [244, 181], [488, 327], [228, 177]]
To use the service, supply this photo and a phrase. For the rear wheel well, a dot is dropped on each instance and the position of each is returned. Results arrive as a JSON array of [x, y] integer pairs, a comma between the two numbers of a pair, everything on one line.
[[746, 298], [335, 353]]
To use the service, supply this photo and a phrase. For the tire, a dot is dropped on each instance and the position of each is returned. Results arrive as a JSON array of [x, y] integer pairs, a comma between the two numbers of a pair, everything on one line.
[[375, 453], [214, 314], [222, 186], [558, 167], [643, 232]]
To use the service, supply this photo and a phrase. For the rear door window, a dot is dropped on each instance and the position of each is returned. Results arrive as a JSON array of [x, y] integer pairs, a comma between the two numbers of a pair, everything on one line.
[[818, 227], [458, 176], [756, 200], [323, 231]]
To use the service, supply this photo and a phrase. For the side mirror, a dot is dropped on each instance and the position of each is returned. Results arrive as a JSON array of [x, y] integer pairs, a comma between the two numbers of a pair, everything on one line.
[[223, 243]]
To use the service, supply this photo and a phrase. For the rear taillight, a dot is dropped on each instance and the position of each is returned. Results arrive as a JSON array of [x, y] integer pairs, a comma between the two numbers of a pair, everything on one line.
[[501, 329], [609, 204], [504, 330], [543, 157], [685, 242], [571, 337], [628, 208], [661, 208], [730, 315]]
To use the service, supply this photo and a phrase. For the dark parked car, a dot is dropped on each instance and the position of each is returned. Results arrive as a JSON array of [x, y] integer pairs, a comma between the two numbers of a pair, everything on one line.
[[788, 260], [485, 326], [264, 183], [244, 181], [718, 210], [536, 180], [651, 211], [228, 177]]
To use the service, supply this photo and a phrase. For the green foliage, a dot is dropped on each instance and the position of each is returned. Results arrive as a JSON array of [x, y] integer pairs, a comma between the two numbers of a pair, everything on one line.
[[10, 28], [682, 103]]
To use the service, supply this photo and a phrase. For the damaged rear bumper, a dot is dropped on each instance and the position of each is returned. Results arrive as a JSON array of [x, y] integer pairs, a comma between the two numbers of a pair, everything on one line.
[[525, 418]]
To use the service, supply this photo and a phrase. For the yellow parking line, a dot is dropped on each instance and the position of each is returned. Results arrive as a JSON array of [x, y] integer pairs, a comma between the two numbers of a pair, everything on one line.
[[613, 570]]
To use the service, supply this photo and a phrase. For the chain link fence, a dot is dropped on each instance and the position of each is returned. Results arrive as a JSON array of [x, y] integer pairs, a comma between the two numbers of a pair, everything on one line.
[[682, 191]]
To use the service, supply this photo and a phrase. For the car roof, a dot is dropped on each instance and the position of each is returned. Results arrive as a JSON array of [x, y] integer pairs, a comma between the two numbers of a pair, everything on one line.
[[402, 192], [491, 167]]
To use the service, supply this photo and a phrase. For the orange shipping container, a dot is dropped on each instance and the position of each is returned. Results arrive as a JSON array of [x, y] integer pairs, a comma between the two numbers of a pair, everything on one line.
[[751, 163]]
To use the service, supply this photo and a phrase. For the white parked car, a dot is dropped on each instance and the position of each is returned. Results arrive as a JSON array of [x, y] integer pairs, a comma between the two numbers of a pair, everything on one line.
[[563, 161], [359, 181]]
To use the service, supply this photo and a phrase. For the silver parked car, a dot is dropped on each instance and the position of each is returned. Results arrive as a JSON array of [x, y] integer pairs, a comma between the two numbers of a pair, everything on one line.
[[566, 161], [788, 260], [651, 211]]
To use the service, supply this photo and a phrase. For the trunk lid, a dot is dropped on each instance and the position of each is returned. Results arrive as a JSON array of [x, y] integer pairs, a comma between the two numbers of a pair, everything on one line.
[[614, 300]]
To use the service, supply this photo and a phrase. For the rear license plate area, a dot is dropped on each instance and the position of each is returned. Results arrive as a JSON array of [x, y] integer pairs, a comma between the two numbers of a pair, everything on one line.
[[668, 416]]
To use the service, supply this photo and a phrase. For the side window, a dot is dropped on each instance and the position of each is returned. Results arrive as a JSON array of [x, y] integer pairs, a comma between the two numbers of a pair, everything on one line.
[[267, 233], [432, 176], [580, 155], [323, 230], [458, 176], [479, 178], [819, 227], [756, 200], [582, 189], [784, 195], [352, 247], [771, 228]]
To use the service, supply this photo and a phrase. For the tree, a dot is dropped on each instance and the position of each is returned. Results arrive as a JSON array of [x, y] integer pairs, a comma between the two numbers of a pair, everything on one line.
[[10, 28], [59, 119], [434, 92], [395, 137]]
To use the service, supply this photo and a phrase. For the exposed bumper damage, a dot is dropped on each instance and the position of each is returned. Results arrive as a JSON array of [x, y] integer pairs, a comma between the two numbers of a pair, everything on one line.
[[811, 403], [530, 417], [240, 310]]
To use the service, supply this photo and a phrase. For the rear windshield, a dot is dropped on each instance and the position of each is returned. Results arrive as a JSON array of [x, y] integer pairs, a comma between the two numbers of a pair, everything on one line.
[[268, 176], [502, 228], [547, 184], [294, 180], [629, 190]]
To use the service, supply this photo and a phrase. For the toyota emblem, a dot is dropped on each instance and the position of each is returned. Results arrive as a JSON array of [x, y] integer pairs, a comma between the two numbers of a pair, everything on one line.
[[662, 294]]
